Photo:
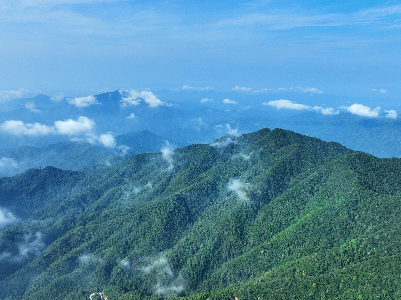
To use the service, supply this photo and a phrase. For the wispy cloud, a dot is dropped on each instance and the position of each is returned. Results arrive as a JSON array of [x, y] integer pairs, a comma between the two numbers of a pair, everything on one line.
[[262, 90], [168, 155], [231, 137], [8, 167], [310, 90], [11, 95], [89, 258], [192, 88], [57, 98], [284, 19], [131, 116], [242, 89], [167, 283], [31, 106], [381, 91], [239, 187], [6, 217], [31, 245]]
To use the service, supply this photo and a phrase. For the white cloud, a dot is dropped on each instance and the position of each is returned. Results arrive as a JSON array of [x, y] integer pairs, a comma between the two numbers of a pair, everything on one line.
[[31, 106], [131, 116], [262, 90], [392, 114], [133, 97], [310, 90], [243, 156], [8, 167], [364, 111], [232, 134], [20, 128], [228, 101], [239, 188], [107, 140], [167, 282], [286, 104], [176, 286], [204, 100], [83, 101], [11, 95], [72, 127], [57, 98], [242, 89], [81, 126], [6, 217], [326, 111], [89, 258], [382, 91], [231, 131], [31, 246], [198, 123], [122, 150], [192, 88], [167, 154]]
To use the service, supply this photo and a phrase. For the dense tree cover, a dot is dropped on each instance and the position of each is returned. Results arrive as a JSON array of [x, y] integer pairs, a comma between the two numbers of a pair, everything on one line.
[[267, 215]]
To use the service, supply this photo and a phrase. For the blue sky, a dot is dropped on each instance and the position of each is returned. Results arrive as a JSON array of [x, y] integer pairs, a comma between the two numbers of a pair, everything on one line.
[[90, 46]]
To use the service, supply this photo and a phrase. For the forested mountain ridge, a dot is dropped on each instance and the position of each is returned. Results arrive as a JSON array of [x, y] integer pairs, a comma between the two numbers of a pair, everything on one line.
[[77, 156], [270, 215]]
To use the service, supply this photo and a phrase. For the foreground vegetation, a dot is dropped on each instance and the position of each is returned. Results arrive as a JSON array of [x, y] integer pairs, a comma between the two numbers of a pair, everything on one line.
[[266, 215]]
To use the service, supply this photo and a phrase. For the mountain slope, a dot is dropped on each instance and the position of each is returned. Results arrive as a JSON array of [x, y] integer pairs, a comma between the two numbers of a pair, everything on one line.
[[270, 214], [70, 155]]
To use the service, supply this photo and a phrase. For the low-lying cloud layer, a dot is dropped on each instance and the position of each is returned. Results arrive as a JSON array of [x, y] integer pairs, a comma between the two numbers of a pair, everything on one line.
[[167, 282], [71, 128], [8, 166], [192, 88], [287, 104], [133, 97], [167, 154], [239, 187], [232, 134], [83, 101], [6, 218], [30, 246], [356, 109]]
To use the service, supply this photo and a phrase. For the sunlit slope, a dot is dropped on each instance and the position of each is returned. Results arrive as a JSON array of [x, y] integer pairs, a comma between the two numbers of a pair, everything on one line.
[[271, 214]]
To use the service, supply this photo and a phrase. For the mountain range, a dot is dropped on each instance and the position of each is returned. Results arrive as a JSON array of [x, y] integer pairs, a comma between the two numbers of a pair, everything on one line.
[[180, 116], [270, 214]]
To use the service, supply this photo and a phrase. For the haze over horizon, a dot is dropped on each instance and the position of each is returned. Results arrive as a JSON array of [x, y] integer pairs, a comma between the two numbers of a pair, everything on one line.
[[81, 47]]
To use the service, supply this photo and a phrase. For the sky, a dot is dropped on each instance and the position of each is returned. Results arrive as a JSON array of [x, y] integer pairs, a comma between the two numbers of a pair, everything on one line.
[[81, 47]]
